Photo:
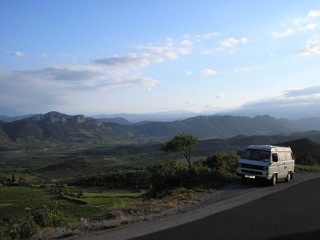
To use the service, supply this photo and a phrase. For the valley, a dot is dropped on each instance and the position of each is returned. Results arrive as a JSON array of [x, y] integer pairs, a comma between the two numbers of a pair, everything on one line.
[[100, 167]]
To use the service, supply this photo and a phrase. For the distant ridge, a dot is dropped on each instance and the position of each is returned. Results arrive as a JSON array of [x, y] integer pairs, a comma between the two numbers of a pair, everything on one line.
[[54, 125], [63, 127]]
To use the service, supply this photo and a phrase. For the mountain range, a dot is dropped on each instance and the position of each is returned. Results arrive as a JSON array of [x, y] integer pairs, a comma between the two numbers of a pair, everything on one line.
[[62, 127]]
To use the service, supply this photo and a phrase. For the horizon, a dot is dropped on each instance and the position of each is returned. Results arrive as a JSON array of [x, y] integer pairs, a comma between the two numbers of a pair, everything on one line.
[[167, 116], [139, 57]]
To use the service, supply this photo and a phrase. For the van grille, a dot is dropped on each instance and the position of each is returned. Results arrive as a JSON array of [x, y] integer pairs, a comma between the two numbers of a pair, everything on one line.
[[250, 166], [252, 172]]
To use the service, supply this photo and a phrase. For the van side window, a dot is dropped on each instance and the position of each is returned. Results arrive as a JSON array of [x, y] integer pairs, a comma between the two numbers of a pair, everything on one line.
[[274, 157], [289, 156]]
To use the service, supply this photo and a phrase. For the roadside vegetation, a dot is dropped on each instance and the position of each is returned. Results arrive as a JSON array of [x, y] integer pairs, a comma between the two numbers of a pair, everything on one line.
[[63, 188]]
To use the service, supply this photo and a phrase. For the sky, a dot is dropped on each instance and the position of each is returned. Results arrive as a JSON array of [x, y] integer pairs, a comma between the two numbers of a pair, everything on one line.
[[140, 56]]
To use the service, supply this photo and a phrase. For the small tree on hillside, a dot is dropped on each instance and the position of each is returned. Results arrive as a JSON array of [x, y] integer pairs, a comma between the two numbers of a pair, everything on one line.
[[184, 144]]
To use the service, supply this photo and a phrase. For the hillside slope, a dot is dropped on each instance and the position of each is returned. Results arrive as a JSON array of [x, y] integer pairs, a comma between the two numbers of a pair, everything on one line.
[[215, 127], [61, 127]]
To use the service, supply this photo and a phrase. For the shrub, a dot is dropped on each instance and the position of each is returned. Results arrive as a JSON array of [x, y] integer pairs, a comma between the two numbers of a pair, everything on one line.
[[164, 176], [45, 217], [223, 164], [33, 222], [306, 160]]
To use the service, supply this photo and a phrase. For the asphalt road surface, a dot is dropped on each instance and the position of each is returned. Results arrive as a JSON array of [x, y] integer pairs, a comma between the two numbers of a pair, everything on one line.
[[237, 211], [293, 213]]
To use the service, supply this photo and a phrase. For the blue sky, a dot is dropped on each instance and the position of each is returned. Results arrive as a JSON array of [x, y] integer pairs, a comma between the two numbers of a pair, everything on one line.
[[139, 56]]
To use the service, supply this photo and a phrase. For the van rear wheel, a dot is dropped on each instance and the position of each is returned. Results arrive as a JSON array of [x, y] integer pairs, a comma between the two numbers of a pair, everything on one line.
[[288, 178], [274, 180]]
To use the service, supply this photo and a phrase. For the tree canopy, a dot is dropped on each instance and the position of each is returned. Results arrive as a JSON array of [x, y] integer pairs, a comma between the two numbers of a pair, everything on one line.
[[182, 143]]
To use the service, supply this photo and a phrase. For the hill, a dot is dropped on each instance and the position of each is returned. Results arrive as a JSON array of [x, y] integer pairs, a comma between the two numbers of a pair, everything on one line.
[[69, 168], [144, 154], [55, 126], [215, 127]]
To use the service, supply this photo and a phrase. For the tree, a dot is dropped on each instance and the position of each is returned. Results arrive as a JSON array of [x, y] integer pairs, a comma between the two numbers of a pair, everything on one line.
[[184, 144], [306, 160], [13, 179]]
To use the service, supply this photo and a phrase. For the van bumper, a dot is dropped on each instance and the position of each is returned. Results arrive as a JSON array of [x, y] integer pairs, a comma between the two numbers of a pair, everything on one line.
[[266, 178]]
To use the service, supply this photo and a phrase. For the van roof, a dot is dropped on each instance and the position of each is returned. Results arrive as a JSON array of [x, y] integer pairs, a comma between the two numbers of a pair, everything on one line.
[[269, 147]]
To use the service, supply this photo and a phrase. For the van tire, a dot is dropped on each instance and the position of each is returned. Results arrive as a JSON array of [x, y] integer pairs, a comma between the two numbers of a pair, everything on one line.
[[244, 179], [274, 180], [288, 178]]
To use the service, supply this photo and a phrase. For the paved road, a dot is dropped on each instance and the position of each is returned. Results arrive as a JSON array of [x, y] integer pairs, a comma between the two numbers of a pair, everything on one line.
[[293, 213]]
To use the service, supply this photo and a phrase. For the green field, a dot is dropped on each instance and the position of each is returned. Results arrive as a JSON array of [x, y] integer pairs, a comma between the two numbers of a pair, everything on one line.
[[16, 201], [18, 204]]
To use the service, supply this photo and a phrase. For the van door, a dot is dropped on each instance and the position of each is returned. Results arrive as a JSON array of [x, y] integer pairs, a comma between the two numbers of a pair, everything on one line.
[[283, 168], [289, 162], [274, 167]]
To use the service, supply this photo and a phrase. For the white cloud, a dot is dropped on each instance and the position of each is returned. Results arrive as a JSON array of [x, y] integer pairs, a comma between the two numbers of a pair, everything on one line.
[[307, 23], [231, 42], [19, 54], [189, 73], [311, 26], [210, 35], [208, 72], [304, 92], [167, 51], [220, 96], [56, 83], [127, 61], [15, 54], [311, 16], [201, 37], [312, 47], [244, 40], [44, 55], [292, 98], [314, 14], [287, 33], [186, 42]]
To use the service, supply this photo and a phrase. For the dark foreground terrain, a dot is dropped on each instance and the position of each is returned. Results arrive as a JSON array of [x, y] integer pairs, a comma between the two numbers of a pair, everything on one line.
[[293, 213], [239, 211]]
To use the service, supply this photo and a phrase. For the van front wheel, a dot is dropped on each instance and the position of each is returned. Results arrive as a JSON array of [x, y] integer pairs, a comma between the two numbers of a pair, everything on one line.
[[244, 179], [274, 180]]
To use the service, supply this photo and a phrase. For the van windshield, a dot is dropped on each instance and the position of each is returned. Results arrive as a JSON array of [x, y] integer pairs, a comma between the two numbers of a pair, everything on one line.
[[256, 154]]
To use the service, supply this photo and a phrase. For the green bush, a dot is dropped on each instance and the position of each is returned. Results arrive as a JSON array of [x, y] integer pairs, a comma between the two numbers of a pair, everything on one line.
[[164, 176], [223, 164], [46, 217], [34, 220], [306, 160]]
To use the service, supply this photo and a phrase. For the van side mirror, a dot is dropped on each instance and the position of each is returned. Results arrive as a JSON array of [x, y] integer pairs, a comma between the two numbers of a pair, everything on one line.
[[274, 157]]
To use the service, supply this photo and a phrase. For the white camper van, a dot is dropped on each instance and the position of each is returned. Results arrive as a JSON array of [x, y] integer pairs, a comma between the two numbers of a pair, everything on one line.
[[266, 162]]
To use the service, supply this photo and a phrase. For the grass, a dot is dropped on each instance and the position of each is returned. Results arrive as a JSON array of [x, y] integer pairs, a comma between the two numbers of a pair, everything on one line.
[[15, 200], [314, 168], [107, 199]]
